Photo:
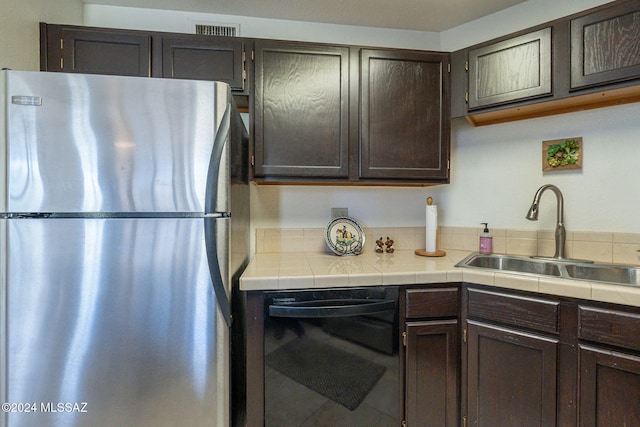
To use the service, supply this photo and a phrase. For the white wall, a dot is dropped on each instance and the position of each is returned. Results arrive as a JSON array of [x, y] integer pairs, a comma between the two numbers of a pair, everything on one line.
[[498, 168], [495, 172], [20, 31], [174, 21], [516, 18], [495, 169]]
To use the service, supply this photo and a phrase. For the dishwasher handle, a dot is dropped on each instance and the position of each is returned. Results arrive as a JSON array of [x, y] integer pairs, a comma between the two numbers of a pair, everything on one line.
[[331, 308]]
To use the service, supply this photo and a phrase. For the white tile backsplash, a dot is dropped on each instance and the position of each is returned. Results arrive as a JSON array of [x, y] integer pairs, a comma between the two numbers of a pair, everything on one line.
[[622, 248]]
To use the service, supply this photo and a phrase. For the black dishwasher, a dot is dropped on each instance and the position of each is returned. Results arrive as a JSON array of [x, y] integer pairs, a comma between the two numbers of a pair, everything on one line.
[[331, 357]]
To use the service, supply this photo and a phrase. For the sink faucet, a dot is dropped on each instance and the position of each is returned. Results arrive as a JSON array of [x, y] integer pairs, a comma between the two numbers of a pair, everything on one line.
[[532, 215]]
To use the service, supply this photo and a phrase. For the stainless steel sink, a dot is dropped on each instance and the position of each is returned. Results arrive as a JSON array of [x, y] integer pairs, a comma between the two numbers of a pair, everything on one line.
[[620, 274], [512, 264], [608, 273]]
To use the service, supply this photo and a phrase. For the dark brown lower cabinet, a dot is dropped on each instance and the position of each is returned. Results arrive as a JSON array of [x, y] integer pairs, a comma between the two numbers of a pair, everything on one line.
[[431, 356], [432, 373], [492, 357], [511, 377], [609, 388], [540, 360], [609, 372]]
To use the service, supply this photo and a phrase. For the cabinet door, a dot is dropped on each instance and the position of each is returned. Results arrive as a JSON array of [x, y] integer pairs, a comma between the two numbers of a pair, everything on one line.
[[404, 119], [459, 82], [605, 46], [204, 58], [431, 374], [609, 388], [301, 110], [512, 377], [97, 51], [511, 70]]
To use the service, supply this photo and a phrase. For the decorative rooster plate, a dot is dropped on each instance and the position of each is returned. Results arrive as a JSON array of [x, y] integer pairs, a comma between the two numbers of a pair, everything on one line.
[[344, 236]]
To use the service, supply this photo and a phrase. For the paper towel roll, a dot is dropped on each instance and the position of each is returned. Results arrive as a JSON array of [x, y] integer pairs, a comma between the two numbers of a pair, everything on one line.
[[432, 228]]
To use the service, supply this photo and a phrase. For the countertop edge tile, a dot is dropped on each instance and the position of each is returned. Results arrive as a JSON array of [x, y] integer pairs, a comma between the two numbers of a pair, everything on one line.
[[330, 281], [565, 288], [454, 275], [616, 294], [263, 274], [398, 278], [426, 277], [365, 279], [296, 282], [258, 283], [517, 281], [478, 277]]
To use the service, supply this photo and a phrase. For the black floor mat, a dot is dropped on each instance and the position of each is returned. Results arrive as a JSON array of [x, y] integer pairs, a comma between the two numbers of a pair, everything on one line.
[[334, 373]]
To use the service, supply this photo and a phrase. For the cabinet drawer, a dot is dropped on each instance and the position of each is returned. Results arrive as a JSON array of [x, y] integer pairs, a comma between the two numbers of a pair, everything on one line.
[[440, 302], [516, 310], [609, 327]]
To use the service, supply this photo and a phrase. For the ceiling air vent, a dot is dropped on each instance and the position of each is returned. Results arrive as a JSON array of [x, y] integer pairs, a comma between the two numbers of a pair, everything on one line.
[[232, 30]]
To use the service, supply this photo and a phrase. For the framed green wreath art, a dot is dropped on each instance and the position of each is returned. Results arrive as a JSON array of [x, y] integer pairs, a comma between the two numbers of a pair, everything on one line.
[[562, 154]]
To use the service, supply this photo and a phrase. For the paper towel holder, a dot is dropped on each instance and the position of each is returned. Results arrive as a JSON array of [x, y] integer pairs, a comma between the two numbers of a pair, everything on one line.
[[437, 252]]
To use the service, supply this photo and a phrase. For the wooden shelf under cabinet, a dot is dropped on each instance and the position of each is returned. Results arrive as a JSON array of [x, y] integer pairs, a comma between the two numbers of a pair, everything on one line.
[[590, 101]]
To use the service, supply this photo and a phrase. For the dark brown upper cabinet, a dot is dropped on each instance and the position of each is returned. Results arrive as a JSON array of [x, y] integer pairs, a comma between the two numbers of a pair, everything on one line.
[[321, 113], [204, 58], [404, 118], [301, 110], [459, 82], [112, 51], [511, 70], [308, 126], [587, 60], [73, 49], [605, 46], [334, 113]]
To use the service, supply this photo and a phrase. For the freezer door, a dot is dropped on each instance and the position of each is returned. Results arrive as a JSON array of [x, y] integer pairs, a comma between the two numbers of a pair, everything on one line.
[[113, 322], [91, 143]]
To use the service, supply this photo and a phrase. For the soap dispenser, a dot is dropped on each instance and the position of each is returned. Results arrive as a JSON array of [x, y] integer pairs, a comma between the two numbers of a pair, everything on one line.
[[486, 241]]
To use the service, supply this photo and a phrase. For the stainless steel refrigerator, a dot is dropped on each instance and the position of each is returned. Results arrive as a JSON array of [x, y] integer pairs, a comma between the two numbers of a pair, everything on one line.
[[123, 225]]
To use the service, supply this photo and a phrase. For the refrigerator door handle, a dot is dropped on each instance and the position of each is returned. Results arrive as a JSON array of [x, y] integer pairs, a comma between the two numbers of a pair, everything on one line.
[[212, 240], [219, 168]]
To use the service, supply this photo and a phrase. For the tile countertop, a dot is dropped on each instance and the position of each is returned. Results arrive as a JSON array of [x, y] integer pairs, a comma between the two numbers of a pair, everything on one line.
[[274, 271]]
